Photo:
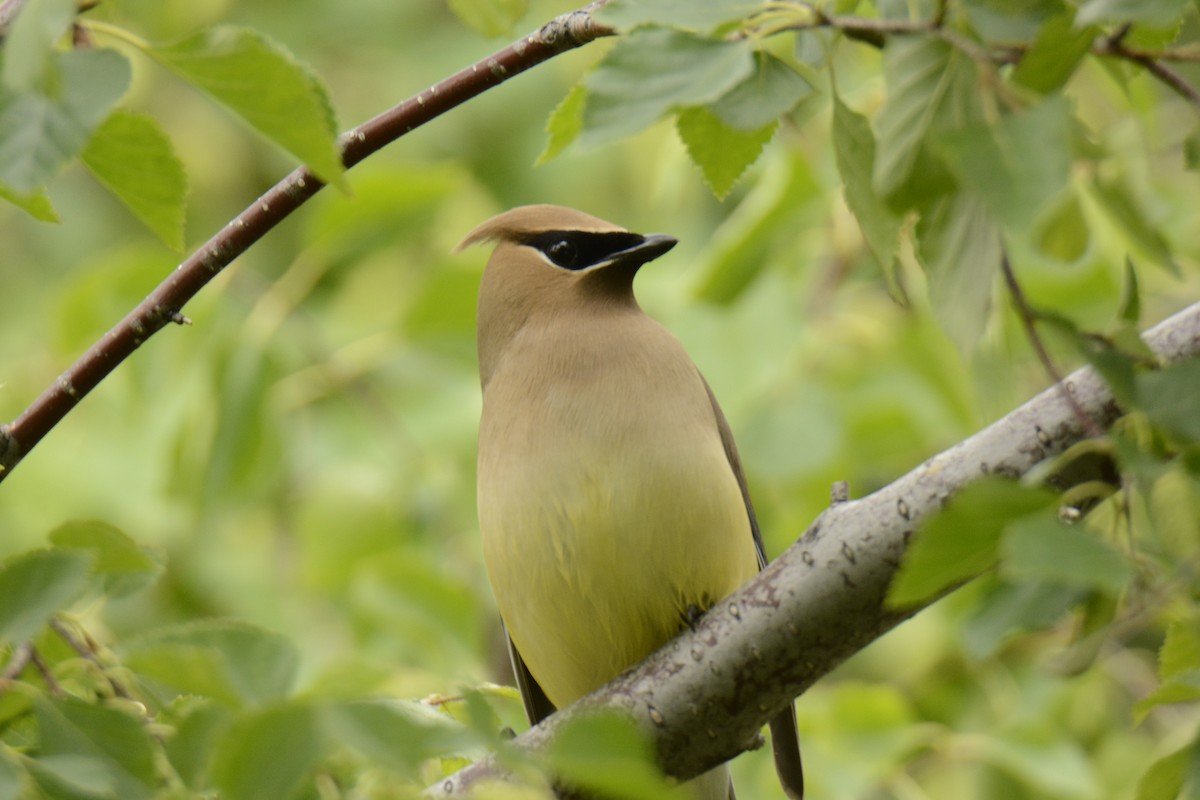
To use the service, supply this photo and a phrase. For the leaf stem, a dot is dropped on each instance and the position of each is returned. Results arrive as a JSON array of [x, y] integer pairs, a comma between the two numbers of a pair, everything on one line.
[[1029, 321]]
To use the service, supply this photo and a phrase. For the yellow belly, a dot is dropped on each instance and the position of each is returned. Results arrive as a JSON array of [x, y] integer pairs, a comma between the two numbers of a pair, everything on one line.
[[598, 545]]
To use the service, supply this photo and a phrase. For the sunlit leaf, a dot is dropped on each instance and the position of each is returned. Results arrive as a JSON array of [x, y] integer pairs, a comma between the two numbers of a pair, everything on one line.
[[1054, 55], [265, 85], [651, 72], [1180, 652], [130, 154], [1164, 779], [35, 585], [1183, 688], [963, 539], [721, 152], [565, 123], [36, 204]]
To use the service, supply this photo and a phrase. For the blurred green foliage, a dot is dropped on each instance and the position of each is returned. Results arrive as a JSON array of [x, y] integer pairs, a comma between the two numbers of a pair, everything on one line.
[[263, 524]]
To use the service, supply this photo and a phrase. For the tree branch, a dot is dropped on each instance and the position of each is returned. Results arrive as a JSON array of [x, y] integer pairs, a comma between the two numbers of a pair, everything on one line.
[[164, 304], [705, 696]]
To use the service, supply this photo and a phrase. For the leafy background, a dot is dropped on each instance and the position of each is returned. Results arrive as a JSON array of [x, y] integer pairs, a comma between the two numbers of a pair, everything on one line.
[[265, 521]]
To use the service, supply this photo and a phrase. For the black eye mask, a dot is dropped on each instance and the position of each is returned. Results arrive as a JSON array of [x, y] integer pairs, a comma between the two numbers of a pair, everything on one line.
[[576, 250]]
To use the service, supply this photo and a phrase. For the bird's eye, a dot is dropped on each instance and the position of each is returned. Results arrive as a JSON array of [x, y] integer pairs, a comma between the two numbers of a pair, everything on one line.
[[562, 253]]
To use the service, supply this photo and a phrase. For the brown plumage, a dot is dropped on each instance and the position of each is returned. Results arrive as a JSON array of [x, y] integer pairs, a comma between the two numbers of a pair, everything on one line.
[[612, 501]]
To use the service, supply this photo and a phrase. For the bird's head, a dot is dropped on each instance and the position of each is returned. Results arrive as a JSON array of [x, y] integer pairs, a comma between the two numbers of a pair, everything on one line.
[[551, 260]]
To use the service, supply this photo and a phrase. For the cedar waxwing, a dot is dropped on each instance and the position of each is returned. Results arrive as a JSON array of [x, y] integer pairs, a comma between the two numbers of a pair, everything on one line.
[[612, 502]]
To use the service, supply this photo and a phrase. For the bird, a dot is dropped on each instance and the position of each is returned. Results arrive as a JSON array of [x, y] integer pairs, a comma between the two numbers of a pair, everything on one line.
[[613, 507]]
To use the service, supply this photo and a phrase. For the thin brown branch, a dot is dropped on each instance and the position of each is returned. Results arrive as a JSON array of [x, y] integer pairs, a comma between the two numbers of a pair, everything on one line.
[[87, 649], [164, 304], [44, 670], [22, 653], [1029, 321]]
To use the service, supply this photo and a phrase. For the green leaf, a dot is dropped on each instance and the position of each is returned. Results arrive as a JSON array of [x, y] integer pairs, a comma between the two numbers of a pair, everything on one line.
[[1063, 233], [651, 72], [29, 54], [1191, 151], [39, 133], [565, 123], [1017, 165], [1056, 769], [854, 149], [132, 156], [756, 230], [1159, 13], [35, 585], [609, 755], [74, 777], [1130, 310], [400, 735], [268, 753], [196, 736], [1180, 652], [264, 84], [1128, 217], [1055, 53], [1163, 780], [772, 91], [490, 17], [721, 152], [116, 741], [232, 662], [122, 565], [1169, 398], [919, 72], [1183, 688], [962, 540], [36, 204], [701, 16], [1044, 549], [15, 781], [1012, 609], [959, 247]]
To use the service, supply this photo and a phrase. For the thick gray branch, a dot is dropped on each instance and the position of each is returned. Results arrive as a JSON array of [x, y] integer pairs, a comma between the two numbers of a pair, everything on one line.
[[706, 695]]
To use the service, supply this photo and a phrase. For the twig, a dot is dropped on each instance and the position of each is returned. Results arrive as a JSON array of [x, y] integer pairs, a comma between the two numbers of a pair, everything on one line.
[[9, 9], [1029, 320], [44, 670], [88, 651], [16, 665], [164, 304]]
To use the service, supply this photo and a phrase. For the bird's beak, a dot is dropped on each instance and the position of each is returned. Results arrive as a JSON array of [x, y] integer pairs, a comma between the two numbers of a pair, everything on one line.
[[651, 247]]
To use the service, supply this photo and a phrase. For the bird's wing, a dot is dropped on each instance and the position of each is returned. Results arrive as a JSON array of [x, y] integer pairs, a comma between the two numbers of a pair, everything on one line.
[[785, 742], [537, 705]]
